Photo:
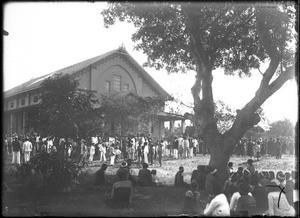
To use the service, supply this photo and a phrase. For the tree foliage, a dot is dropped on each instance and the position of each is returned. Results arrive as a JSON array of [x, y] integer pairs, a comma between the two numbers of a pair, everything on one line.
[[228, 33], [127, 110], [64, 111], [282, 128], [236, 37]]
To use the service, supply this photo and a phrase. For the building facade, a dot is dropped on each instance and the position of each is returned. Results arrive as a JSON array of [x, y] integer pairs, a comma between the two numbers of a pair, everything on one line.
[[112, 72]]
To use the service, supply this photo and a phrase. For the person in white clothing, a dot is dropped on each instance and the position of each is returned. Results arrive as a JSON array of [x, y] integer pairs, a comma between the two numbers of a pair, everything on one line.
[[278, 206], [102, 150], [95, 140], [146, 151], [92, 152], [27, 148], [112, 154], [218, 206]]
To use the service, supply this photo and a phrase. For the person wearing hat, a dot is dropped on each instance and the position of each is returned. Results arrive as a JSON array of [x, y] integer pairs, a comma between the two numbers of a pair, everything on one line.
[[124, 168], [145, 176], [16, 148], [179, 179], [27, 148]]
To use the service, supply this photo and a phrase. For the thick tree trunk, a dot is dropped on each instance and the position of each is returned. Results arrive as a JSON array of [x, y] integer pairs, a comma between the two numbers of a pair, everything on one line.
[[221, 148]]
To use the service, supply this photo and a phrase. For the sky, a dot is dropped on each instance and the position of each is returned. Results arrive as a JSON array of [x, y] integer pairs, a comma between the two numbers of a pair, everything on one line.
[[45, 37]]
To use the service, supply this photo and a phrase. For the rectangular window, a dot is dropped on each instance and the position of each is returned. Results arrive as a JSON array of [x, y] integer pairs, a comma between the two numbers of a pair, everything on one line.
[[117, 83], [12, 104], [23, 102], [107, 86], [35, 99], [126, 87]]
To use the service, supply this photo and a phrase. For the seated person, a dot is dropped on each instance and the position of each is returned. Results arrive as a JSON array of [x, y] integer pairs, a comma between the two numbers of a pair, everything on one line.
[[260, 193], [121, 192], [100, 176], [155, 182], [179, 179], [192, 201], [246, 204], [145, 176], [218, 206], [234, 199], [212, 183], [284, 208], [124, 168], [230, 186]]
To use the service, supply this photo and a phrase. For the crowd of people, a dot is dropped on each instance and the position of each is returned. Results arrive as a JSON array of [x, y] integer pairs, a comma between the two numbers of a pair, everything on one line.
[[140, 148], [246, 192], [266, 147]]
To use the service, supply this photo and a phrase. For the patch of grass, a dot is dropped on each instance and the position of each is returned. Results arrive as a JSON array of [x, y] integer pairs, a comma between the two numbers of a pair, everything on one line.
[[87, 200]]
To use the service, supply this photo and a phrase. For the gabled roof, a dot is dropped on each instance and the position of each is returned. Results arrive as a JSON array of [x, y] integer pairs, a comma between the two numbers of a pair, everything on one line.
[[36, 82]]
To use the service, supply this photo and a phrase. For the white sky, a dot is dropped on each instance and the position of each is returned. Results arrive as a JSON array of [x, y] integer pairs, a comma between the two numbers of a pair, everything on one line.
[[45, 37]]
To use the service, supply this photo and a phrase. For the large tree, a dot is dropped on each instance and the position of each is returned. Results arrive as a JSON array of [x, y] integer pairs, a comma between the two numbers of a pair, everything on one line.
[[205, 36]]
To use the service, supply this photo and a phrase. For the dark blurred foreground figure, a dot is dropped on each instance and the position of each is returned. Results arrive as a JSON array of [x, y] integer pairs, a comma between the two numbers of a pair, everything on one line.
[[246, 204], [179, 179], [100, 176], [121, 193], [192, 201], [212, 184], [145, 176]]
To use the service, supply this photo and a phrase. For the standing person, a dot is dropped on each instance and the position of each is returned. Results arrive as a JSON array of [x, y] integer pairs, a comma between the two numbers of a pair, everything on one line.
[[257, 148], [102, 150], [278, 148], [112, 154], [16, 148], [118, 153], [27, 148], [191, 147], [159, 152], [175, 147], [151, 153], [185, 147], [146, 151], [92, 153], [84, 152], [180, 146], [195, 144]]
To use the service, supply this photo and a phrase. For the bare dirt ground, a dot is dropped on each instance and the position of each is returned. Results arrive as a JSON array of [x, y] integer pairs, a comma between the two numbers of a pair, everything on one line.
[[87, 200]]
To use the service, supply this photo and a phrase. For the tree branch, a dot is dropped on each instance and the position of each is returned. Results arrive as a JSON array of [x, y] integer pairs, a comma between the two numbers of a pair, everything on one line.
[[286, 75]]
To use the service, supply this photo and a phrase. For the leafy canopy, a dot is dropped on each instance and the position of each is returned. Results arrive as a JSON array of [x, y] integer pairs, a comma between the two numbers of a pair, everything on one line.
[[65, 111], [128, 110], [235, 37]]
